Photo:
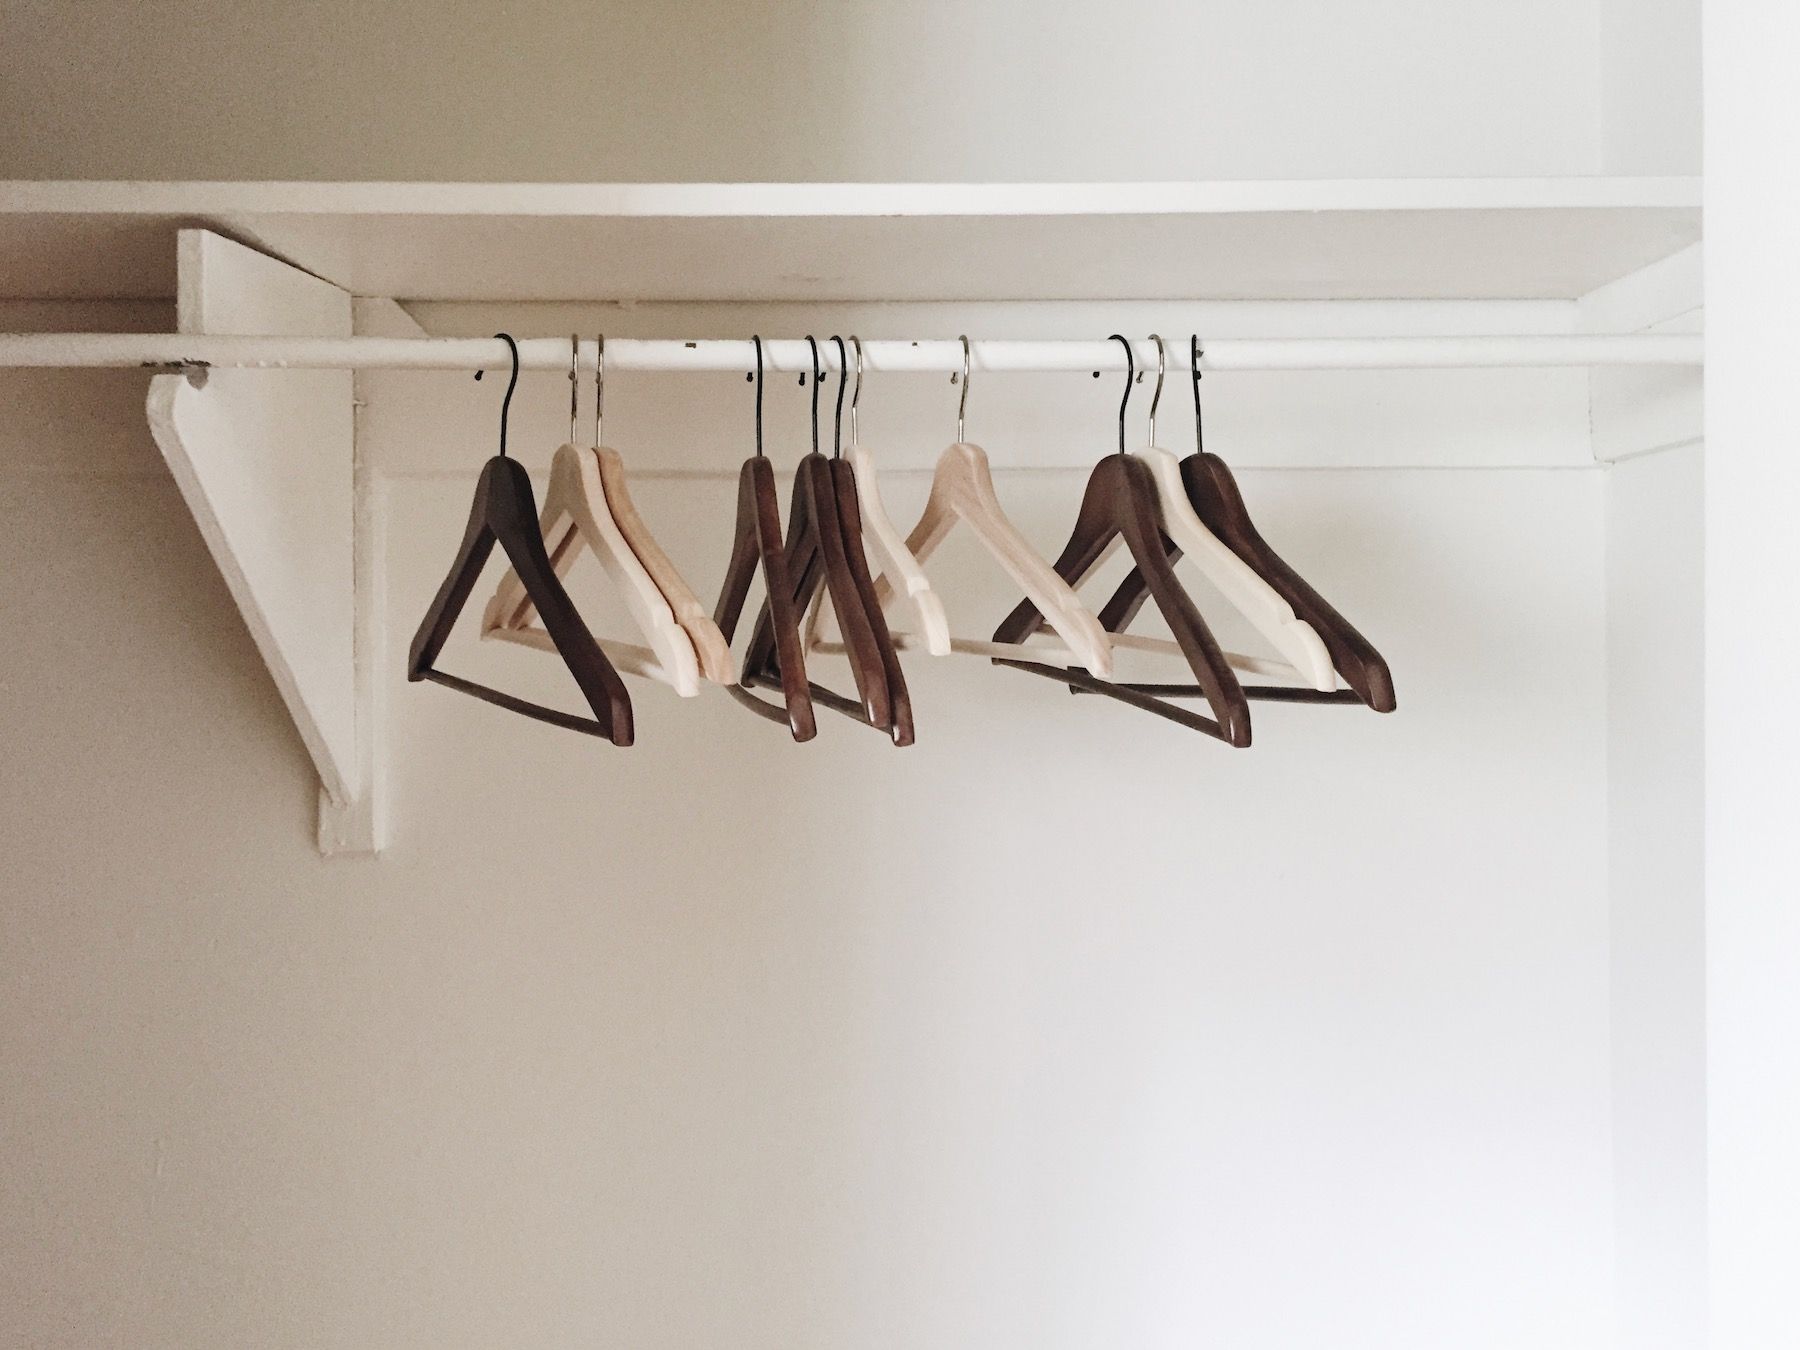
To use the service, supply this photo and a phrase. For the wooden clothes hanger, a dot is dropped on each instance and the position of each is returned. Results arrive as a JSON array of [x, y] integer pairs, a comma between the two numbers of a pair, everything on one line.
[[1213, 492], [825, 558], [962, 491], [716, 661], [893, 560], [504, 512], [756, 540], [1121, 503], [1268, 612], [577, 516], [714, 653]]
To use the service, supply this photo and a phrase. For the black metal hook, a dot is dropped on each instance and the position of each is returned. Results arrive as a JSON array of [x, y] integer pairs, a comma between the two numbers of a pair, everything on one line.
[[1130, 379], [817, 375], [758, 377], [837, 416], [512, 384], [1194, 355]]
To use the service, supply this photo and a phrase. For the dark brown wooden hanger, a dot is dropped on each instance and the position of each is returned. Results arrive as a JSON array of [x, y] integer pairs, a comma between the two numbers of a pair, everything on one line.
[[1220, 505], [1121, 501], [504, 512], [849, 508], [824, 553], [757, 539], [849, 503]]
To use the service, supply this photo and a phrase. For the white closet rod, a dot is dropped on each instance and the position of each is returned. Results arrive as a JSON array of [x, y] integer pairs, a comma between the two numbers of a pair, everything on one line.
[[172, 351]]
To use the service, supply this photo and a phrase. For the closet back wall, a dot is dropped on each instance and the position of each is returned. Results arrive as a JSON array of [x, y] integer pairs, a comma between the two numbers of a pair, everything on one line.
[[1002, 90], [1062, 1028]]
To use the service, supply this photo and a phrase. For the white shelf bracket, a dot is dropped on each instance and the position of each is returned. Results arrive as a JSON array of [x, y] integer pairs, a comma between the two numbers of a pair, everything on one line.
[[266, 461]]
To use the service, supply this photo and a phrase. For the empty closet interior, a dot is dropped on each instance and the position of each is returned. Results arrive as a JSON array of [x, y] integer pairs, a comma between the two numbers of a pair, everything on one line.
[[1059, 1025]]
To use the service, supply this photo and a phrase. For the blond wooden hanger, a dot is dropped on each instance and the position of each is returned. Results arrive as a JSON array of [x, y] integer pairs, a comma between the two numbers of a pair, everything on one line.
[[962, 491], [886, 550], [716, 661], [577, 515], [1299, 645]]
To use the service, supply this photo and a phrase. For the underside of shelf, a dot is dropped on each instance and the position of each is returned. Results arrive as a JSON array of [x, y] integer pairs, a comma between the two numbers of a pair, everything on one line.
[[1365, 239]]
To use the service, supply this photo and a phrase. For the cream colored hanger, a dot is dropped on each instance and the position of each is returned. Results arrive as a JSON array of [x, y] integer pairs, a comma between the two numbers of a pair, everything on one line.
[[1272, 616], [576, 514], [886, 550], [716, 661], [962, 490]]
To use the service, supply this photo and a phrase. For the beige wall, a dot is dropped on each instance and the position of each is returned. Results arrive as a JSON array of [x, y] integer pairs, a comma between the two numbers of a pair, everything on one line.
[[1058, 1029], [1008, 90]]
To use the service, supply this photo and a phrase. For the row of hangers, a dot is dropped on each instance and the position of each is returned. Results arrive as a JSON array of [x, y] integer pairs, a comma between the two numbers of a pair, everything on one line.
[[843, 558]]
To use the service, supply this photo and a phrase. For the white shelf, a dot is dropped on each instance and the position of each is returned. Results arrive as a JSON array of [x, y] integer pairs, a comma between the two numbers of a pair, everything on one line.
[[1555, 238]]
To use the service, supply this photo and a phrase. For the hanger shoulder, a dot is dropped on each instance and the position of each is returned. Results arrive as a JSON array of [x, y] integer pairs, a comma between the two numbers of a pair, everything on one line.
[[867, 667], [587, 504], [963, 489], [453, 593], [940, 514], [1220, 505], [796, 692], [898, 567], [756, 539], [1120, 503], [823, 562], [504, 513], [800, 558], [1143, 527], [510, 606], [1267, 610], [710, 647], [1095, 531], [900, 719], [576, 496], [516, 528]]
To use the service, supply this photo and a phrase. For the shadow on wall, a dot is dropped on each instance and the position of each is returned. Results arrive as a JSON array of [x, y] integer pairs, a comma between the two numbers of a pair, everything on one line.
[[556, 90]]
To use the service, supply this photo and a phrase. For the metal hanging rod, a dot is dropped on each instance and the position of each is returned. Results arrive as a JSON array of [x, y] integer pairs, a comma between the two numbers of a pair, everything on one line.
[[169, 351]]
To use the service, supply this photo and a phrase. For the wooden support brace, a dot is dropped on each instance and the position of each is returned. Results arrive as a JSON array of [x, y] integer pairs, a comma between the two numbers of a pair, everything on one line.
[[266, 461]]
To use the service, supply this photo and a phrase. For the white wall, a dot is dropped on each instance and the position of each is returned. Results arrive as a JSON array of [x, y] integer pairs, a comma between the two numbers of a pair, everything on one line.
[[1650, 86], [1059, 1028], [1655, 759], [1007, 90], [1752, 642]]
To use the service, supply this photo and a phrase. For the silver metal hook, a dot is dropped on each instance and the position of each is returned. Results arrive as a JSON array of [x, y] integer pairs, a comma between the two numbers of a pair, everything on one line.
[[574, 380], [856, 392], [962, 404], [599, 387], [1162, 363]]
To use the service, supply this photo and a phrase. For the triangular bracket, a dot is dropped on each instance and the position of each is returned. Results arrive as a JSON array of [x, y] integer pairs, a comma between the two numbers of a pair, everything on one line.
[[266, 461]]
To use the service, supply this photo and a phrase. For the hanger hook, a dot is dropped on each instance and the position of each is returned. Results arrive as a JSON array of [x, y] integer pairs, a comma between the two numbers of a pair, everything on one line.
[[856, 393], [574, 381], [1130, 378], [962, 404], [817, 375], [1194, 355], [758, 377], [512, 384], [1162, 365], [837, 417], [599, 387]]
